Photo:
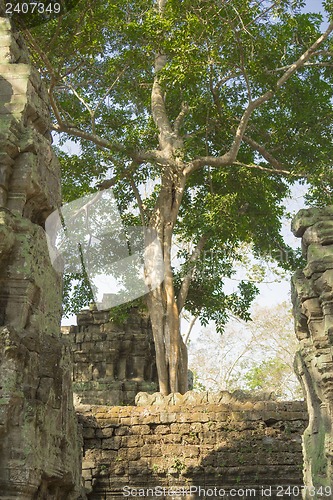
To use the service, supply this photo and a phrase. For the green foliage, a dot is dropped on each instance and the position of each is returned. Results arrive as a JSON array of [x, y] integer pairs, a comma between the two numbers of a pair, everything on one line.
[[198, 386], [220, 55], [121, 313], [77, 293], [178, 465], [266, 375], [76, 176]]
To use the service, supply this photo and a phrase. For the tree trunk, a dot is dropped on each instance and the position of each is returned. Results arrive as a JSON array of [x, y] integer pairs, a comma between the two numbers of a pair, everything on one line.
[[313, 310], [171, 352]]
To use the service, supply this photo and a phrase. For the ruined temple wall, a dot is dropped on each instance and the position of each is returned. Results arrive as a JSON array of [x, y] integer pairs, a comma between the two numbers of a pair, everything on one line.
[[312, 295], [196, 440], [112, 362], [39, 440]]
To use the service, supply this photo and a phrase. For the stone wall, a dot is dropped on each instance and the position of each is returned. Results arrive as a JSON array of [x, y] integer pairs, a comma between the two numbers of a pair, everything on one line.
[[112, 363], [313, 310], [195, 440], [39, 443]]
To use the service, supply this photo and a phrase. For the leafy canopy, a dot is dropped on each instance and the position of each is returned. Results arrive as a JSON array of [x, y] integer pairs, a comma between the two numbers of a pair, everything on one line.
[[98, 62]]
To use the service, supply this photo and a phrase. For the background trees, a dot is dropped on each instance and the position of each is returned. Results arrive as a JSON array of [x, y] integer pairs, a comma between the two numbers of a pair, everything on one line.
[[257, 355], [221, 105]]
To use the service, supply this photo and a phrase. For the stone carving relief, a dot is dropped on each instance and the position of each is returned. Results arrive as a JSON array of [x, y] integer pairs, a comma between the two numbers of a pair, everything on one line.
[[39, 445], [312, 293]]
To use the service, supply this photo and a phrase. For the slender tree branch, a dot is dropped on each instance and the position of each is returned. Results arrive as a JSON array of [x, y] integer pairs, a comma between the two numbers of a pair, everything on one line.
[[241, 20], [264, 153], [192, 323], [139, 201], [153, 156], [161, 5], [180, 118], [320, 64], [28, 36], [127, 172], [110, 88], [56, 33], [74, 68], [266, 169], [262, 14], [86, 206], [99, 141], [304, 57], [226, 79], [62, 126], [323, 52], [185, 286], [230, 156], [53, 103], [77, 95], [242, 66]]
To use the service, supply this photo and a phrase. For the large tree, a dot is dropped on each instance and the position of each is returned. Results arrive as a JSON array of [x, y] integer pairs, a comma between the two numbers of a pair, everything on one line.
[[222, 105]]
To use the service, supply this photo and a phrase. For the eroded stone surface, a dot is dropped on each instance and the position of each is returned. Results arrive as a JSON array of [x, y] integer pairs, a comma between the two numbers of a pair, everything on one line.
[[189, 443], [112, 363], [312, 292], [39, 445]]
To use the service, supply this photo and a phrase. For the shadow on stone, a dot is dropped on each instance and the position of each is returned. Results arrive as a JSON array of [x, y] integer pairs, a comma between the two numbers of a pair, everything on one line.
[[6, 93], [195, 449]]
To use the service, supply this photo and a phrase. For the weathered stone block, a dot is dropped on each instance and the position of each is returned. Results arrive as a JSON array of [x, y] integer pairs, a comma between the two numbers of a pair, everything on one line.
[[313, 362], [40, 447], [175, 439], [140, 429], [112, 443]]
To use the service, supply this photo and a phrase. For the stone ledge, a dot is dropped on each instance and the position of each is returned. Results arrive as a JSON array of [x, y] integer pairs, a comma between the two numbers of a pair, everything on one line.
[[236, 399]]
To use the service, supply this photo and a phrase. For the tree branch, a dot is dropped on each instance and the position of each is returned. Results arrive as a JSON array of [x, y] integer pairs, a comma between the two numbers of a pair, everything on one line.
[[125, 173], [304, 57], [230, 156], [266, 169], [262, 14], [96, 139], [264, 153], [187, 336], [180, 118], [158, 108], [110, 88], [28, 36], [77, 95], [183, 292], [224, 80], [56, 32], [320, 64], [53, 103], [139, 201]]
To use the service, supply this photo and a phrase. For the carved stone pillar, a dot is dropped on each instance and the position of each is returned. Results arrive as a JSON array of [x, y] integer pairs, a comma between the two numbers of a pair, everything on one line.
[[312, 294], [39, 443]]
